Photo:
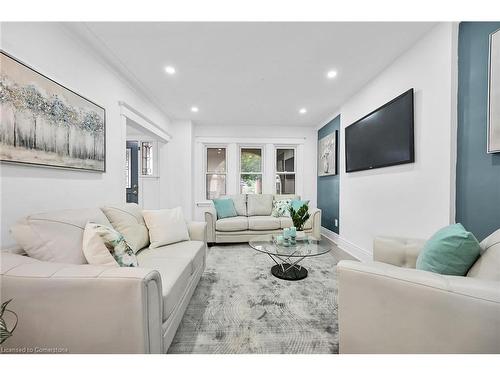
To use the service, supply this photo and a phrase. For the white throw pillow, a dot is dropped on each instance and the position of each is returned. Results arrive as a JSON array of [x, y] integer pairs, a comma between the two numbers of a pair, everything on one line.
[[127, 219], [105, 246], [165, 226]]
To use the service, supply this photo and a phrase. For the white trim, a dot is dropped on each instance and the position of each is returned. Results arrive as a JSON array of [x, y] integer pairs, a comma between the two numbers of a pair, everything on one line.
[[129, 112], [357, 252], [251, 142]]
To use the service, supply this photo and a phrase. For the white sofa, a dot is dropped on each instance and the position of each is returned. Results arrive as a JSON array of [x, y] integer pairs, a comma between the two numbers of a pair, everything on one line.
[[82, 308], [254, 218], [387, 306]]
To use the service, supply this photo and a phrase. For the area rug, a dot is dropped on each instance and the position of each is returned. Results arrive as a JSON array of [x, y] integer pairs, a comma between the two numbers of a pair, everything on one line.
[[239, 307]]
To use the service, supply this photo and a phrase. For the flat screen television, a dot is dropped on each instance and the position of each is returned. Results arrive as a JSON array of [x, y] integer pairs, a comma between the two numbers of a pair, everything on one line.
[[383, 137]]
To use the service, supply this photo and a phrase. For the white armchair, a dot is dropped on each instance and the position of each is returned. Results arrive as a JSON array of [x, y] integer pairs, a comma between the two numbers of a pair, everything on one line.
[[387, 306]]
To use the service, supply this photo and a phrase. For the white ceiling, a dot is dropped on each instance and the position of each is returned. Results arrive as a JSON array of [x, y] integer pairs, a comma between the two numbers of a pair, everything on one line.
[[251, 73]]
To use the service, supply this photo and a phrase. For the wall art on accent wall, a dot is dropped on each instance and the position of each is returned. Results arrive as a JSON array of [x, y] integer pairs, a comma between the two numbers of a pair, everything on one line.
[[494, 94], [327, 155], [44, 123]]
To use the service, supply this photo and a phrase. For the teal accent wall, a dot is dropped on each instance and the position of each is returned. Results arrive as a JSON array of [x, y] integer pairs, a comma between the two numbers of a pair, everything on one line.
[[328, 186], [478, 173]]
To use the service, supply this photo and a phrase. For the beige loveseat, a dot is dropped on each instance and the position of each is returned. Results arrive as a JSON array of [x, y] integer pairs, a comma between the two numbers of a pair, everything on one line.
[[69, 306], [254, 218], [388, 306]]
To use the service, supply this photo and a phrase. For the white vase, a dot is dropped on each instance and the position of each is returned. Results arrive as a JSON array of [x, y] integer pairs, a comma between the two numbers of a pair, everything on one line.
[[326, 166]]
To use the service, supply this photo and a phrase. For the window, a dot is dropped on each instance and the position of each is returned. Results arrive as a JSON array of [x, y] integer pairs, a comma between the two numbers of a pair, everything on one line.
[[251, 171], [215, 172], [285, 171], [147, 158]]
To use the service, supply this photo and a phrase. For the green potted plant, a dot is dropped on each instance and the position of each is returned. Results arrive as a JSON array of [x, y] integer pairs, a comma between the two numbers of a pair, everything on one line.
[[299, 217]]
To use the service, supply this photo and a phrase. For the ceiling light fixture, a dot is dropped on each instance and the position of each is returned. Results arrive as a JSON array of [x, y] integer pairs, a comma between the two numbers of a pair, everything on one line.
[[302, 111], [170, 70], [194, 109], [331, 74]]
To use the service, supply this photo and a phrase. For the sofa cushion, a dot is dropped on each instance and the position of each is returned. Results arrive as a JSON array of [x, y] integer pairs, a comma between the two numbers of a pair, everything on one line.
[[56, 236], [259, 204], [240, 203], [166, 226], [194, 251], [127, 219], [278, 197], [286, 222], [224, 208], [263, 223], [487, 267], [232, 224], [175, 275]]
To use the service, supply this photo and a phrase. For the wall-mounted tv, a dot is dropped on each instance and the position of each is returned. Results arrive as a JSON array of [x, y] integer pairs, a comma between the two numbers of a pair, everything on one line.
[[383, 137]]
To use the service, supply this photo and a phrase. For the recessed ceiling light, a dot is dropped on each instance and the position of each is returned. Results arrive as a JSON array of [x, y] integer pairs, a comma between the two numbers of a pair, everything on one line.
[[302, 111], [170, 70], [194, 109], [331, 74]]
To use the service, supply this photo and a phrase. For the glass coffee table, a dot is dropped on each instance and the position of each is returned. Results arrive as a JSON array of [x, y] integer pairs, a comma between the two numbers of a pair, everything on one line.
[[287, 258]]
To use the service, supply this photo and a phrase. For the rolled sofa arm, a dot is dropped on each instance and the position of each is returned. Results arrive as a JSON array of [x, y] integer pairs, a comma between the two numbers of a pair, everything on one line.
[[210, 219], [197, 230], [401, 252], [315, 216], [388, 309], [81, 308]]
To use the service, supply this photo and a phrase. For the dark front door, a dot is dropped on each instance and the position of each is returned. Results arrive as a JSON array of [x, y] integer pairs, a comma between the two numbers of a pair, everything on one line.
[[133, 172]]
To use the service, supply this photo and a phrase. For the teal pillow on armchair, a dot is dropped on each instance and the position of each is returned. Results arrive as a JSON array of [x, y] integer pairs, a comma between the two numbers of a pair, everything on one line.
[[450, 251], [225, 208]]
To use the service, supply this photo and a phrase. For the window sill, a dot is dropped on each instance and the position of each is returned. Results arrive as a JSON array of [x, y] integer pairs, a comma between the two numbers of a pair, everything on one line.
[[204, 204]]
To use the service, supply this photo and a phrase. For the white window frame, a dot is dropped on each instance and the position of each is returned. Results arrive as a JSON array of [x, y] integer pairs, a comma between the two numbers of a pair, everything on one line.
[[276, 173], [205, 166], [260, 147]]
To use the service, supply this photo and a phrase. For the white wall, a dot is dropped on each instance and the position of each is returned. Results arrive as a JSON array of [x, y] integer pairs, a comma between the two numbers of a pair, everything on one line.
[[54, 51], [178, 189], [416, 199], [303, 138]]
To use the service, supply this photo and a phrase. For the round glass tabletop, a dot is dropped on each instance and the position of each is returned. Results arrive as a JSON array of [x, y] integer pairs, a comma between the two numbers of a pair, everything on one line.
[[306, 246]]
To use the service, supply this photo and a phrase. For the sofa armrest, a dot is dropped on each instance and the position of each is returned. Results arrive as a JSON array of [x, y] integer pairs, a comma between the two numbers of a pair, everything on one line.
[[197, 230], [388, 309], [402, 252], [315, 216], [210, 219], [82, 308]]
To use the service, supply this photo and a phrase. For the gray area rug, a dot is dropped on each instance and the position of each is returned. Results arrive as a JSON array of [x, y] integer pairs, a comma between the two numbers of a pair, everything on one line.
[[239, 307]]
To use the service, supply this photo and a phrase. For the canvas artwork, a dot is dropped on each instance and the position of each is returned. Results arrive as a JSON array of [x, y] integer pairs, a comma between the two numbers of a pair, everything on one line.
[[44, 123], [494, 94], [327, 155]]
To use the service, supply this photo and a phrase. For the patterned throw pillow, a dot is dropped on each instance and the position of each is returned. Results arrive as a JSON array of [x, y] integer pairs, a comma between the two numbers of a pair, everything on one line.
[[280, 208], [103, 245]]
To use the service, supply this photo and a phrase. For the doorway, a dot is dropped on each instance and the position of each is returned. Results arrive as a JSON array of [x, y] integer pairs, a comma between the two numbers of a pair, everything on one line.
[[132, 171]]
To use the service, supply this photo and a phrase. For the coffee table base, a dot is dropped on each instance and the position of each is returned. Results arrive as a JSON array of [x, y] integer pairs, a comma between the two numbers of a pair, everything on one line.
[[286, 271]]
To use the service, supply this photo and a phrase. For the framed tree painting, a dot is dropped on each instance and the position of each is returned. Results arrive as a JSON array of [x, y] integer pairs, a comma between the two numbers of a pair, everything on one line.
[[327, 155], [45, 123], [494, 94]]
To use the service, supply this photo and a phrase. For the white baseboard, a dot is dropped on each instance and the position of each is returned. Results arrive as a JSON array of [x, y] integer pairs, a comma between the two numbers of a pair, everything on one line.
[[348, 247]]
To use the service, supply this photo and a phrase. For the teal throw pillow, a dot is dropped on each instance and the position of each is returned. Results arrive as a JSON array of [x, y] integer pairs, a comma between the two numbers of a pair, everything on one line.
[[297, 203], [225, 208], [450, 251]]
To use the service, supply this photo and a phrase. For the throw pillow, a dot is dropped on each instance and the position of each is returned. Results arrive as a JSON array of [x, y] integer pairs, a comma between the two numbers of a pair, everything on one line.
[[297, 203], [105, 246], [280, 208], [225, 208], [166, 226], [127, 219], [450, 251]]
